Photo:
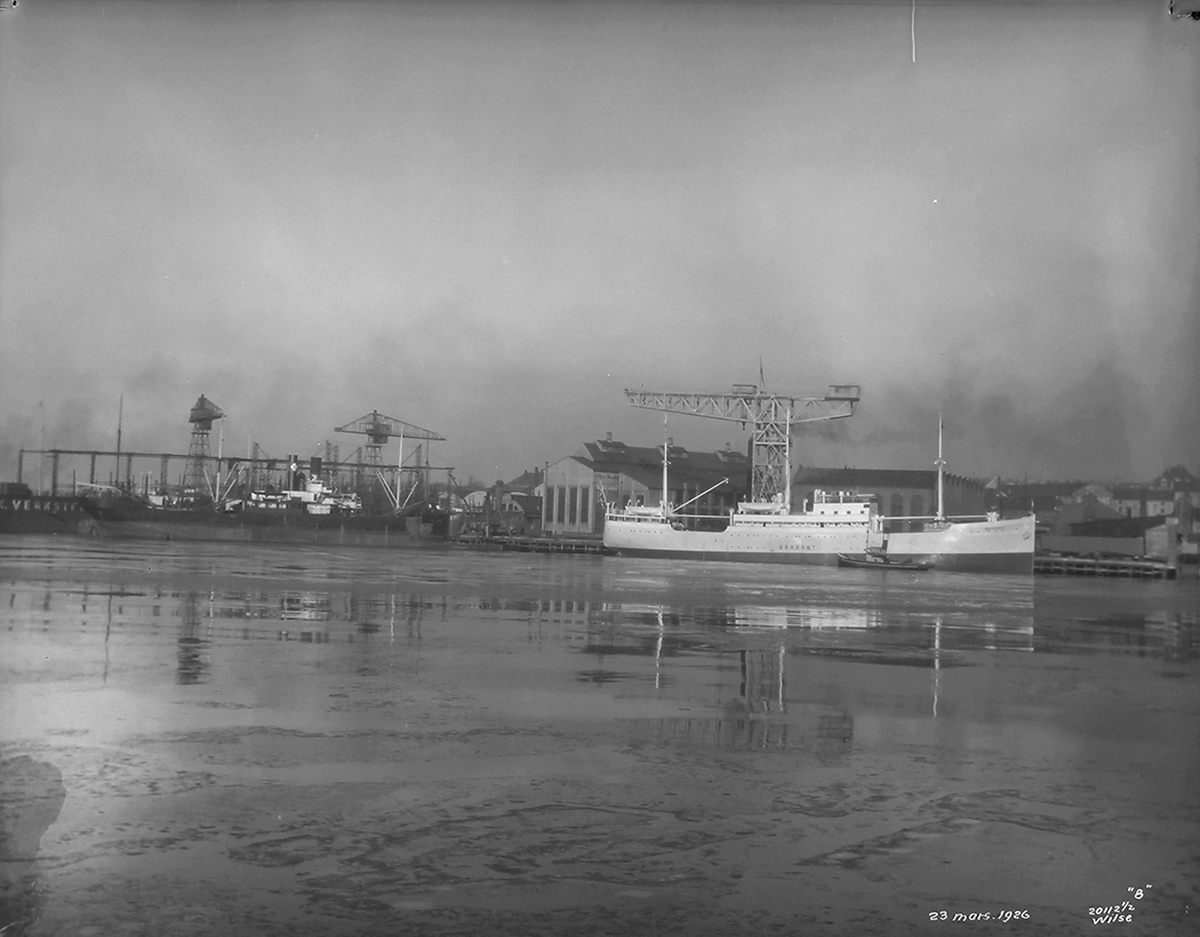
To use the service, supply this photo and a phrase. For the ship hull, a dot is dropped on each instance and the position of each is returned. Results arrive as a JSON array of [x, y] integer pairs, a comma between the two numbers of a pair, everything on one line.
[[988, 546], [40, 514], [728, 556], [275, 526], [325, 535]]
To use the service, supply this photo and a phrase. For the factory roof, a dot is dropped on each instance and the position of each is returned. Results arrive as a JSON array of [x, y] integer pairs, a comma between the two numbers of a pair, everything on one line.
[[850, 478], [644, 463], [1117, 526], [1140, 492], [527, 481]]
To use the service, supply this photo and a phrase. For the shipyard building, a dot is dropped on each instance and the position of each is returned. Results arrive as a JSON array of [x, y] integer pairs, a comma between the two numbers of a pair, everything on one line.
[[609, 472], [898, 492]]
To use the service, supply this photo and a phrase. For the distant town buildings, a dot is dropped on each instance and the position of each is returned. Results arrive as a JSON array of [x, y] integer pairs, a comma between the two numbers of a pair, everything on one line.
[[1159, 519], [1139, 501], [513, 507]]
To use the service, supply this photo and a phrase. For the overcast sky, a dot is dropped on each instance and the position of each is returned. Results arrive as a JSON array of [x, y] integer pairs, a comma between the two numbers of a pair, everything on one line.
[[489, 219]]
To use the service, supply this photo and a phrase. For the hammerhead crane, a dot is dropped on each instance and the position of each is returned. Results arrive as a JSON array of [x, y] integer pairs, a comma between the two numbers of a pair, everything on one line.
[[772, 417]]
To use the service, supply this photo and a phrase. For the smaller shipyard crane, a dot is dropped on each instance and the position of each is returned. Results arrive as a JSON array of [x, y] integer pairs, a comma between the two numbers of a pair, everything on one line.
[[378, 429], [196, 483], [772, 417]]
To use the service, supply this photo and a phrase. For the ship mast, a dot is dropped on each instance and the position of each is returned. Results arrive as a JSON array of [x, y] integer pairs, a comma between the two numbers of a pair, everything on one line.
[[666, 445], [120, 419], [941, 465], [787, 461]]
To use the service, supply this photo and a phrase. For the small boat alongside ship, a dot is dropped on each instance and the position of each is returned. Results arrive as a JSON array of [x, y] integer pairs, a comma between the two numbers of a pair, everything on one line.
[[841, 528], [880, 562]]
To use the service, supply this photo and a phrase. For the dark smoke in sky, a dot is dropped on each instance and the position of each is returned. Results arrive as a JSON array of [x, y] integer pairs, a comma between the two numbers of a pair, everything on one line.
[[488, 219]]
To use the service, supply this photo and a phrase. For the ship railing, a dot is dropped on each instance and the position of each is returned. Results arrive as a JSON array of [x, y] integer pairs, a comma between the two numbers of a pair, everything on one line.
[[98, 487], [821, 496], [762, 507], [637, 509], [654, 512], [933, 517], [641, 514]]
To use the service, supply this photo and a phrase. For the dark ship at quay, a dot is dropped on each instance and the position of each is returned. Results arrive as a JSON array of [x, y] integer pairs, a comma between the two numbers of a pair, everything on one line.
[[287, 520], [23, 512], [257, 499]]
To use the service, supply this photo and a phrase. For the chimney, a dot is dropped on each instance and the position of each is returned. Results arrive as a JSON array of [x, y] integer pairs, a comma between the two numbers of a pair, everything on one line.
[[670, 442], [608, 436]]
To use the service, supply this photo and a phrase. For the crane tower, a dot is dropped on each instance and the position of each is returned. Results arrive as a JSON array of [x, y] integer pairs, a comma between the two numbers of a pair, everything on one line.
[[772, 417], [196, 483]]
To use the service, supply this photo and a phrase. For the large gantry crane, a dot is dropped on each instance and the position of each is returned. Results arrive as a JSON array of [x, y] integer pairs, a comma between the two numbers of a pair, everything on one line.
[[772, 417], [378, 429]]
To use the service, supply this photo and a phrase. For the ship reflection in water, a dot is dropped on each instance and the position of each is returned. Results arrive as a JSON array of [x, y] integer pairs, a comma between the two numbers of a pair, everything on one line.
[[772, 658], [192, 643], [296, 740]]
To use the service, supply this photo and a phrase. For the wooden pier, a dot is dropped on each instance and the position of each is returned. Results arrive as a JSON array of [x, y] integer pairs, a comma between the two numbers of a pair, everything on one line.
[[1120, 567], [513, 544]]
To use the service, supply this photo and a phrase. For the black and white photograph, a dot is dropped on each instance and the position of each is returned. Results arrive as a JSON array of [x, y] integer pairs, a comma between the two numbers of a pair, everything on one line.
[[599, 467]]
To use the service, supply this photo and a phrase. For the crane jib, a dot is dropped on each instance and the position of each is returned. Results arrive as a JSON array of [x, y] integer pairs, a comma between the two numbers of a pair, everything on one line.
[[771, 415]]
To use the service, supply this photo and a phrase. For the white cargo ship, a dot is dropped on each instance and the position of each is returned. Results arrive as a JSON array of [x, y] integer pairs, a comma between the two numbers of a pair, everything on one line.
[[845, 523]]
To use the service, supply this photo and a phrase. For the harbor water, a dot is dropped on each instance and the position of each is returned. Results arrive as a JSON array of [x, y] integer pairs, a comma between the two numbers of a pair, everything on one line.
[[243, 739]]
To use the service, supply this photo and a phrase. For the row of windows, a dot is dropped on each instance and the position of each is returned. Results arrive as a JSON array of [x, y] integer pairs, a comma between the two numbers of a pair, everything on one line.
[[568, 504], [896, 507]]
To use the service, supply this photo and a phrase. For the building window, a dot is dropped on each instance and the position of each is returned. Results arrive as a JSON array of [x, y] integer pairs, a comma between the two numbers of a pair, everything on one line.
[[573, 504], [897, 506], [560, 495], [918, 504], [585, 497]]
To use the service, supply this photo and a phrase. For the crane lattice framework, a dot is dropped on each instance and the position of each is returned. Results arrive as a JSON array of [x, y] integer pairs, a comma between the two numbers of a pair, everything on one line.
[[196, 483], [379, 429], [772, 417]]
